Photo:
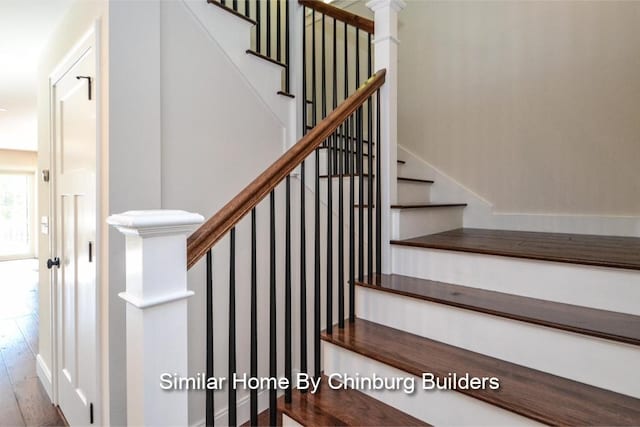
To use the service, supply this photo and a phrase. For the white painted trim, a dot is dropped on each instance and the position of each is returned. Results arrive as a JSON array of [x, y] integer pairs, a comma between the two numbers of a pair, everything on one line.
[[480, 212], [142, 303], [44, 375]]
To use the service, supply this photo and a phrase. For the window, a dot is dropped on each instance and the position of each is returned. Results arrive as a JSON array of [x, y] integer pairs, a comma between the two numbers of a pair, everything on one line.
[[16, 215]]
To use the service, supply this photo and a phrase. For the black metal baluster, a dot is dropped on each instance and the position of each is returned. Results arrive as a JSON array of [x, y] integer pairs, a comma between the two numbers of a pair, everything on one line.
[[324, 76], [235, 5], [316, 270], [334, 73], [378, 190], [287, 292], [361, 175], [303, 275], [341, 233], [329, 307], [268, 19], [209, 417], [278, 30], [352, 222], [303, 217], [253, 394], [273, 362], [314, 88], [346, 85], [247, 10], [232, 326], [258, 27], [370, 182], [287, 52]]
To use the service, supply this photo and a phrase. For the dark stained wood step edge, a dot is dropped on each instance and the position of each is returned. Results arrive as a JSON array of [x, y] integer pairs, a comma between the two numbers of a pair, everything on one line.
[[605, 324], [343, 407], [266, 58], [343, 150], [230, 10], [405, 179], [534, 394], [287, 94], [600, 251], [423, 206], [364, 175], [402, 162], [350, 138]]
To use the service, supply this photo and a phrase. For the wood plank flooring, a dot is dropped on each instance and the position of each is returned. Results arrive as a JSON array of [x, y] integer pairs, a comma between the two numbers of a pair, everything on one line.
[[603, 251], [23, 400]]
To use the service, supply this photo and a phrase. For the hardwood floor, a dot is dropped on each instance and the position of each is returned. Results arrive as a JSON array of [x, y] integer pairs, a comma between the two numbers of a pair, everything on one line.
[[23, 400], [603, 251]]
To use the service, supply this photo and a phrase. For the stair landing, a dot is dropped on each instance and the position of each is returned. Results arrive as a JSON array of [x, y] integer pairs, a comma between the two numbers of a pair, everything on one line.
[[602, 251]]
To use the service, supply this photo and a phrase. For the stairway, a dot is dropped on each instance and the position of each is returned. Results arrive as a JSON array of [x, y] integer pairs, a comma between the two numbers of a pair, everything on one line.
[[553, 317]]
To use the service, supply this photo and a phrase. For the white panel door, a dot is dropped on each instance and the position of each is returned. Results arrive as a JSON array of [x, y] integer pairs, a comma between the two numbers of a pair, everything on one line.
[[75, 208]]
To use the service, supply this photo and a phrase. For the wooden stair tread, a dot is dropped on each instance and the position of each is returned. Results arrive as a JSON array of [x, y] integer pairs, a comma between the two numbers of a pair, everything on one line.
[[343, 150], [287, 94], [346, 175], [534, 394], [610, 325], [426, 181], [230, 10], [266, 58], [602, 251], [344, 407], [422, 205]]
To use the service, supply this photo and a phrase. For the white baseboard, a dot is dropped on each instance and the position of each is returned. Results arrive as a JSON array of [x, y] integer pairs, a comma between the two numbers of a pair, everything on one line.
[[44, 374], [480, 212]]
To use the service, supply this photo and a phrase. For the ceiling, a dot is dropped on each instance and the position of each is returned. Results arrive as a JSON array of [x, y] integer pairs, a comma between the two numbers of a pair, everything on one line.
[[25, 26]]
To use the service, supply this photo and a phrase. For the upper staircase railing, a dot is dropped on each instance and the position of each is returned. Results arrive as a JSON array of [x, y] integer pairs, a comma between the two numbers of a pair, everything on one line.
[[271, 36]]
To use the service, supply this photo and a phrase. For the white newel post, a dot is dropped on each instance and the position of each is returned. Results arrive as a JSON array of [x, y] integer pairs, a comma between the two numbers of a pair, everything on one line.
[[386, 56], [156, 296]]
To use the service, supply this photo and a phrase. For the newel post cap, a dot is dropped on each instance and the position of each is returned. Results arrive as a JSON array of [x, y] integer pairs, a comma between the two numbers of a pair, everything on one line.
[[155, 222], [396, 5]]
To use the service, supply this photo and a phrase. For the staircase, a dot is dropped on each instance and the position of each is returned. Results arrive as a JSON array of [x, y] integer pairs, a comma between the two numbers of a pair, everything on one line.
[[461, 326]]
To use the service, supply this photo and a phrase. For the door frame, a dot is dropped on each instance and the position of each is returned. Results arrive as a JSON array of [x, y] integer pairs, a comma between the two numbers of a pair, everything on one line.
[[90, 39]]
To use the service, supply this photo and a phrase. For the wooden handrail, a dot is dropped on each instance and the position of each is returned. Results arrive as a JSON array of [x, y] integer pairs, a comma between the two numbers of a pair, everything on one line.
[[209, 233], [340, 14]]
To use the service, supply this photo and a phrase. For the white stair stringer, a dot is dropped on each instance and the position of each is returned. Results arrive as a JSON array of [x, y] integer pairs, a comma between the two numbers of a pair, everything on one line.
[[415, 222], [566, 354], [233, 35], [603, 288], [447, 408]]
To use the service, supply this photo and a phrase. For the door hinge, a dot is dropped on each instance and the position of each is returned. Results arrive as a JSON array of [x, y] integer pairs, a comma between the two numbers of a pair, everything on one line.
[[90, 413]]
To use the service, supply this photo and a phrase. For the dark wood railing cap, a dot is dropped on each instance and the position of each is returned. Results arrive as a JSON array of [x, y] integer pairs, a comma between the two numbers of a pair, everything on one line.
[[209, 233], [340, 14]]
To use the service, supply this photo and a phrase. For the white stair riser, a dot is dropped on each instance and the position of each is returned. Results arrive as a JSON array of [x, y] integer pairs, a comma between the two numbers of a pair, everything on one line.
[[418, 222], [441, 408], [413, 192], [566, 354], [604, 288]]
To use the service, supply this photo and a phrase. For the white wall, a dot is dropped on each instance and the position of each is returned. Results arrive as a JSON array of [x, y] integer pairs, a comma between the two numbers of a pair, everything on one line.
[[216, 137], [532, 105]]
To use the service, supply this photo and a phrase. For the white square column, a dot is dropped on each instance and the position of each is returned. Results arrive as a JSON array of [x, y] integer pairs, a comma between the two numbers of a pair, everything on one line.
[[386, 57], [156, 295]]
